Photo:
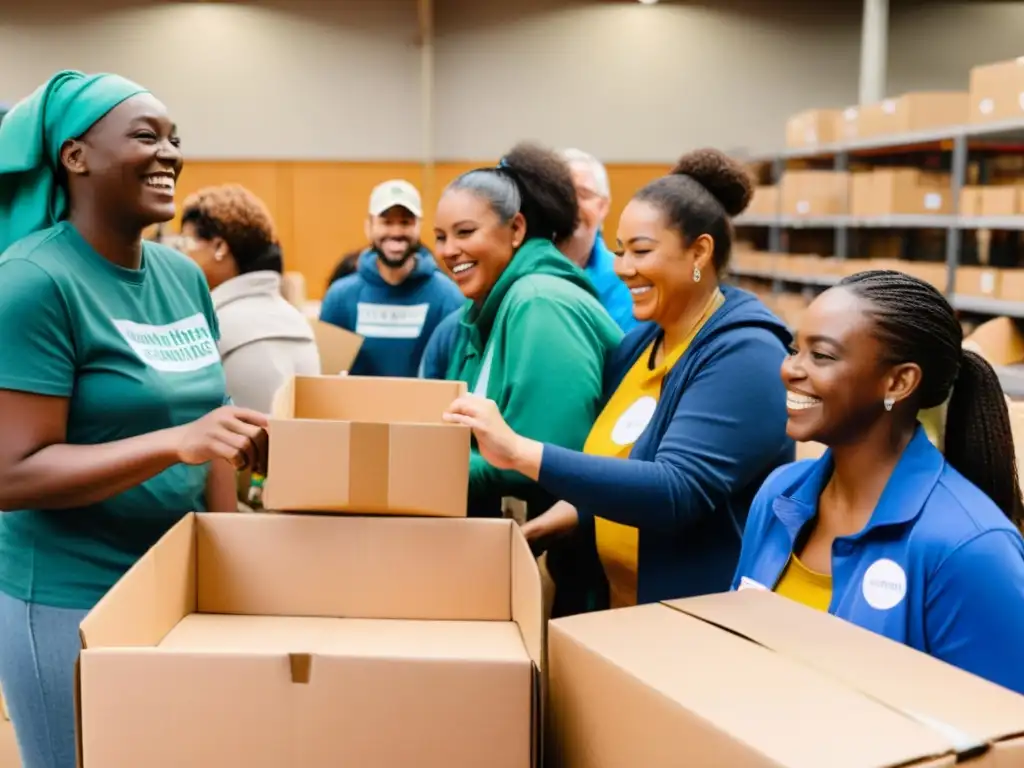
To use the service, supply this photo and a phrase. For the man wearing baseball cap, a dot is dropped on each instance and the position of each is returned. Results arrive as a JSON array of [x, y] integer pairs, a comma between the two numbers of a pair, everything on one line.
[[397, 295]]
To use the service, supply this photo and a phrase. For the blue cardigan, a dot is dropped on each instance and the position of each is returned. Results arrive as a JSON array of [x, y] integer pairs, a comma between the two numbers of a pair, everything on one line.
[[718, 431]]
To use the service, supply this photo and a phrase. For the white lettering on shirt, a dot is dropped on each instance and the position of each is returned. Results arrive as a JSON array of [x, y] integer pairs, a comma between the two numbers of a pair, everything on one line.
[[390, 321], [179, 347]]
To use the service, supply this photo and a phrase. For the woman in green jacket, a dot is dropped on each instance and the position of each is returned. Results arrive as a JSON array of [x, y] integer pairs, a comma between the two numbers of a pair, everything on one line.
[[533, 336]]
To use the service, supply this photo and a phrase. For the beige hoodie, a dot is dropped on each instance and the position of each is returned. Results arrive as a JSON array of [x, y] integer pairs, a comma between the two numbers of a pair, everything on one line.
[[264, 340]]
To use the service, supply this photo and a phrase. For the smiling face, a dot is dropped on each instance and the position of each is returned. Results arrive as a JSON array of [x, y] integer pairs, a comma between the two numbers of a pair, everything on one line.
[[130, 160], [657, 266], [837, 376], [473, 243], [395, 235]]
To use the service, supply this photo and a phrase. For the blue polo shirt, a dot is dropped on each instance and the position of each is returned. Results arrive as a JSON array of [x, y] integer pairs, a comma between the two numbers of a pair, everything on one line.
[[611, 291], [938, 567]]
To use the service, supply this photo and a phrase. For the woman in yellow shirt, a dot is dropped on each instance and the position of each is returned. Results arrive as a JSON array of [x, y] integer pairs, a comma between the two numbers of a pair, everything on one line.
[[694, 413]]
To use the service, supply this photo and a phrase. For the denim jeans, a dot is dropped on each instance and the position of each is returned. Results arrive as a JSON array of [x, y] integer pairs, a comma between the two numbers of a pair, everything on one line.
[[38, 649]]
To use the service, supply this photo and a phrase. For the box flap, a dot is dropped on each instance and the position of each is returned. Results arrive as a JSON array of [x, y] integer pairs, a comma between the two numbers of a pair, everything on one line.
[[725, 700], [153, 596], [338, 347], [356, 567], [528, 613], [283, 404], [374, 399], [965, 709]]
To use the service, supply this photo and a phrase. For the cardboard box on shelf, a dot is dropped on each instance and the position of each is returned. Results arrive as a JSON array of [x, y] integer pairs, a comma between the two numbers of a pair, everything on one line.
[[1011, 285], [1004, 200], [997, 91], [338, 347], [848, 125], [920, 111], [970, 201], [998, 340], [812, 127], [978, 281], [814, 193], [932, 272], [367, 445], [764, 202], [862, 193], [895, 191], [645, 686], [278, 640]]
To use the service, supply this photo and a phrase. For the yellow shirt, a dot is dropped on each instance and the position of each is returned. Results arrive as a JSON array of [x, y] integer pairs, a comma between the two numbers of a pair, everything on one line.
[[805, 586], [620, 424]]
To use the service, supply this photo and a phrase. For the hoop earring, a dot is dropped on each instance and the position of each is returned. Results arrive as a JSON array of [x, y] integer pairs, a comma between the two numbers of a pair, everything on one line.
[[888, 403], [696, 274]]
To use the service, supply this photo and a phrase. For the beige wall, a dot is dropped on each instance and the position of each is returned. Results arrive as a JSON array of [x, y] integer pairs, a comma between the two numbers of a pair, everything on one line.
[[339, 79]]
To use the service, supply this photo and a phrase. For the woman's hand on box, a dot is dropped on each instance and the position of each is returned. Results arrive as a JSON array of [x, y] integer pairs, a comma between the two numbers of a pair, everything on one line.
[[234, 434], [497, 443]]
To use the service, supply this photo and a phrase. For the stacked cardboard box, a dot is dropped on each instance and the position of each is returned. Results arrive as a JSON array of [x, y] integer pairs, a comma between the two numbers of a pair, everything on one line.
[[412, 636], [913, 112], [896, 191], [764, 201], [997, 91], [814, 193], [813, 127]]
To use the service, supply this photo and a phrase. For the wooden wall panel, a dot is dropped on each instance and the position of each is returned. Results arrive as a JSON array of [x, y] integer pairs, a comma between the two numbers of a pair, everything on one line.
[[320, 208]]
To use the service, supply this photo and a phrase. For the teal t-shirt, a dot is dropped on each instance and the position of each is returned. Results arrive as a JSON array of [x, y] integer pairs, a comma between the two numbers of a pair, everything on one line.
[[134, 351]]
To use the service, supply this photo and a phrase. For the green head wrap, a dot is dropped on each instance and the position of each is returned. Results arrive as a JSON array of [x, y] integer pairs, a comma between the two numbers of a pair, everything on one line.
[[31, 136]]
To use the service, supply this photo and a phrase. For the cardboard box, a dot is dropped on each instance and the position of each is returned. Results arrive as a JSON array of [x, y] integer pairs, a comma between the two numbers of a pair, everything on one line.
[[756, 680], [764, 202], [338, 348], [902, 191], [920, 111], [997, 91], [815, 193], [970, 201], [862, 194], [367, 444], [1011, 285], [812, 127], [997, 340], [933, 272], [1000, 201], [285, 640], [848, 124], [978, 281]]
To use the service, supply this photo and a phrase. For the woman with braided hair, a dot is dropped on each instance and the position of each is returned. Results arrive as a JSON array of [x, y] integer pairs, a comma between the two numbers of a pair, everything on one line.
[[882, 530]]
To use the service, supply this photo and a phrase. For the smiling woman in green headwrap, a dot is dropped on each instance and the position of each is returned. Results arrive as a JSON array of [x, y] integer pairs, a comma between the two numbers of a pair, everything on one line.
[[111, 389]]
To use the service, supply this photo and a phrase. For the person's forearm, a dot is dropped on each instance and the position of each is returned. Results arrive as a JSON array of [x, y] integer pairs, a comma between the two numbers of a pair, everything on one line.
[[221, 487], [64, 476]]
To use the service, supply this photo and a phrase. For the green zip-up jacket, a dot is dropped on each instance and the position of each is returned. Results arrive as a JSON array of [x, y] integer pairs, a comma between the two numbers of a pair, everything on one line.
[[537, 347]]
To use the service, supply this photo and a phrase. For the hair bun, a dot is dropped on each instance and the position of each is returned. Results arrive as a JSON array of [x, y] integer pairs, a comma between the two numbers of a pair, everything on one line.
[[726, 179]]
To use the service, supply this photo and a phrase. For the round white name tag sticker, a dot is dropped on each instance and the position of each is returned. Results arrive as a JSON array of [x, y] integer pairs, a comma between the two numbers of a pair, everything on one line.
[[885, 584], [634, 421]]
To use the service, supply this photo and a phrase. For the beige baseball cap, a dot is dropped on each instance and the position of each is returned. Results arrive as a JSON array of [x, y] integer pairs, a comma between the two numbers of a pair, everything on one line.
[[395, 192]]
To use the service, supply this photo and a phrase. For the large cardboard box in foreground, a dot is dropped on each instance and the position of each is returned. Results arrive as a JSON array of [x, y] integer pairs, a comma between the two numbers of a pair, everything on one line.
[[367, 444], [268, 641], [755, 680]]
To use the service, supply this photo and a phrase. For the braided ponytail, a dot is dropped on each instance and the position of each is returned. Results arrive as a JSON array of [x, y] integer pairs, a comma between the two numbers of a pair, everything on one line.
[[915, 324]]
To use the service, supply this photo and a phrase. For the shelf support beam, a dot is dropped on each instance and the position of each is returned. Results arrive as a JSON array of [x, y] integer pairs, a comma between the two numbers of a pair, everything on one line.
[[874, 51]]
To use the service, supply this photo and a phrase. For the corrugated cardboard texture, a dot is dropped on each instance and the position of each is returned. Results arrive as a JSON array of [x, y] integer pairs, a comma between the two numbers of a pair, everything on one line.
[[367, 445], [752, 679], [318, 642]]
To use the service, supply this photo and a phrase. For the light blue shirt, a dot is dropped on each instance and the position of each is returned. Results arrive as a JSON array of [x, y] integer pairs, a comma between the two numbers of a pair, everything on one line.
[[611, 291]]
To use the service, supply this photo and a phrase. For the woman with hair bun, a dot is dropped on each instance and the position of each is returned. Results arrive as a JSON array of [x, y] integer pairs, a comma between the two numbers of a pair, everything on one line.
[[264, 340], [533, 337], [692, 400]]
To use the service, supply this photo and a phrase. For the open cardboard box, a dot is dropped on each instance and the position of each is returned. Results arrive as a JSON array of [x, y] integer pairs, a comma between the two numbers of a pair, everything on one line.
[[756, 680], [368, 445], [317, 641], [338, 348]]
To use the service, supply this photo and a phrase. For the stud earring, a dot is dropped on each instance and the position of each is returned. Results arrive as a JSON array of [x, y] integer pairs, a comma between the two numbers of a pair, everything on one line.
[[888, 403], [696, 274]]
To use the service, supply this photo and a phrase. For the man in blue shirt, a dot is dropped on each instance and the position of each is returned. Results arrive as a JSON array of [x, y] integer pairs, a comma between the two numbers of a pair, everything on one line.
[[397, 295], [587, 248]]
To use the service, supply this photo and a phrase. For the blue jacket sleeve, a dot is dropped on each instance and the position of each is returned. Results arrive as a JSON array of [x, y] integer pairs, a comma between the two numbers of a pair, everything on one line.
[[434, 363], [337, 306], [729, 426], [974, 612]]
